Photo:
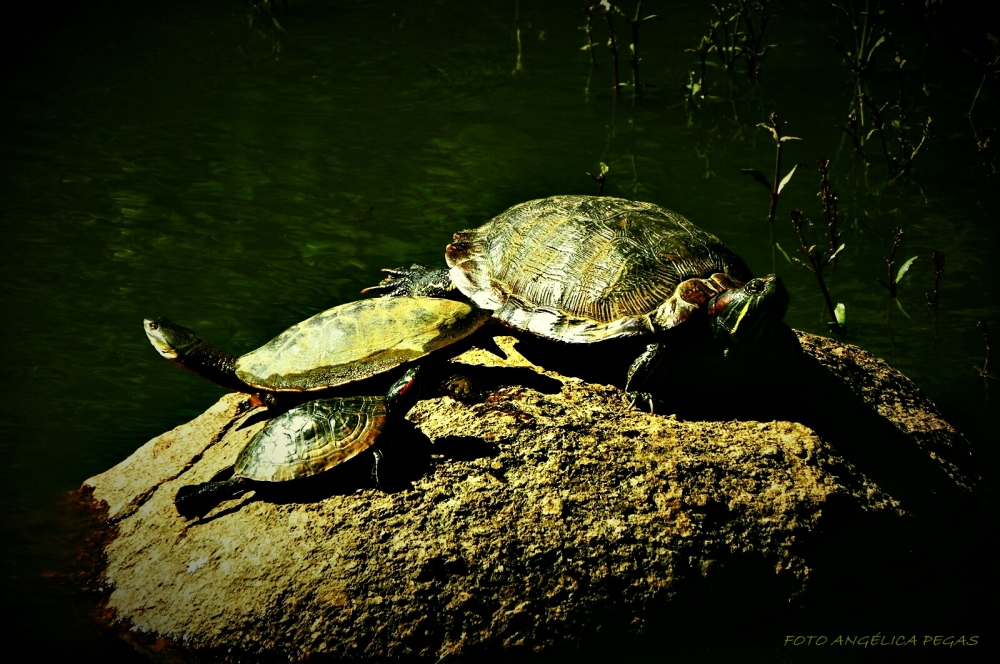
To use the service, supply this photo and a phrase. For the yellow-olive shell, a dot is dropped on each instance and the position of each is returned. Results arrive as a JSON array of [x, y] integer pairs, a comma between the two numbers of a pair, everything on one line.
[[582, 269], [311, 438], [356, 341]]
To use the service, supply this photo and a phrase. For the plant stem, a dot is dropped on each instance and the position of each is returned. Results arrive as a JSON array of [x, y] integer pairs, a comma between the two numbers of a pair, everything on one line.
[[880, 128], [817, 261], [588, 9], [634, 54], [890, 262], [985, 371], [777, 171], [613, 47], [937, 261], [830, 201]]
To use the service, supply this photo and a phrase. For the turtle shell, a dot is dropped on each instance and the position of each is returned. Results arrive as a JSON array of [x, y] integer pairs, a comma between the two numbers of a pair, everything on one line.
[[311, 438], [583, 269], [356, 341]]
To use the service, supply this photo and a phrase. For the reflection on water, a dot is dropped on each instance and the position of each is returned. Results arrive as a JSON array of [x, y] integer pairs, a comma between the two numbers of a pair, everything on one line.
[[181, 160]]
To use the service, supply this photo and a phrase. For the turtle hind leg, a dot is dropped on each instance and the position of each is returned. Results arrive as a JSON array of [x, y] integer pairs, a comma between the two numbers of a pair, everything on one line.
[[197, 499], [414, 281]]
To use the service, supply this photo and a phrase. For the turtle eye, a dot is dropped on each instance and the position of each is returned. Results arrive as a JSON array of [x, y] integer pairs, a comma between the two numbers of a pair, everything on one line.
[[153, 325], [754, 287]]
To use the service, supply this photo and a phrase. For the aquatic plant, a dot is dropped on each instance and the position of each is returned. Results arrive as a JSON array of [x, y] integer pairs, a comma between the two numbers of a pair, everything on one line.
[[889, 121], [864, 22], [892, 280], [990, 68], [696, 89], [736, 32], [830, 202], [265, 9], [588, 12], [852, 130], [777, 183], [937, 264], [607, 9], [982, 325], [752, 38], [600, 177], [818, 262], [518, 66], [634, 23]]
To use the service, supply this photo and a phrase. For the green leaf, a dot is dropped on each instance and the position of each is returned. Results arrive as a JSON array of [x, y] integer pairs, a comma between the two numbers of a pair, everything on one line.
[[774, 132], [785, 180], [841, 314], [834, 254], [898, 305], [783, 252], [881, 40], [758, 176], [903, 268], [790, 138]]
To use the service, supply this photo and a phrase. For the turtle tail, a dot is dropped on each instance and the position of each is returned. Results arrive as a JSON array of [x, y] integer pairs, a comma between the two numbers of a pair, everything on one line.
[[197, 499]]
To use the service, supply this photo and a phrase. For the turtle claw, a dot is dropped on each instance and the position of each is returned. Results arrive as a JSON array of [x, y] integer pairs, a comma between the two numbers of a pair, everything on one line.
[[414, 281], [640, 400]]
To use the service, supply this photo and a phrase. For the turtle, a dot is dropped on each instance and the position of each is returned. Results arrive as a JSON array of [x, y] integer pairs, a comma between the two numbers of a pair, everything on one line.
[[306, 440], [588, 269], [347, 343]]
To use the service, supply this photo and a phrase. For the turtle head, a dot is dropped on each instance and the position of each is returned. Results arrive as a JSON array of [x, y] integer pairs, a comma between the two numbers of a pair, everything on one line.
[[751, 312], [170, 340], [403, 394]]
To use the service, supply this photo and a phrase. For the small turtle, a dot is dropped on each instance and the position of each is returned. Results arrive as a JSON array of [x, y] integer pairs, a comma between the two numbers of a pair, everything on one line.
[[585, 269], [307, 440], [341, 345]]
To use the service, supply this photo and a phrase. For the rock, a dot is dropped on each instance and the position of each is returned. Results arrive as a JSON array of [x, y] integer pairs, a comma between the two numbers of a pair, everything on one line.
[[539, 520]]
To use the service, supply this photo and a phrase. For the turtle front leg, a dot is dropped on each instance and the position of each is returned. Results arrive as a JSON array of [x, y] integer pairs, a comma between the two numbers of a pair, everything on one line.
[[414, 281], [638, 376]]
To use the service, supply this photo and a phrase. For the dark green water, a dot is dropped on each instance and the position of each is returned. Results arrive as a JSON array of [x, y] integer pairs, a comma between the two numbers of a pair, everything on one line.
[[191, 160]]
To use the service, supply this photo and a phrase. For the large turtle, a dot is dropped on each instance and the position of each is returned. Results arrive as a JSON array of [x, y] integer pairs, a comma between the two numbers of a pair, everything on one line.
[[307, 440], [584, 269], [344, 344]]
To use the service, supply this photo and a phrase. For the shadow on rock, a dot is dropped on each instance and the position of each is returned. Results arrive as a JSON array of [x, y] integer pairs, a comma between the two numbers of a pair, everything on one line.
[[406, 457]]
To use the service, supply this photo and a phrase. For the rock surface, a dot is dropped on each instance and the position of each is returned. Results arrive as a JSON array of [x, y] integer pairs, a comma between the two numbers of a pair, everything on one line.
[[539, 520]]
